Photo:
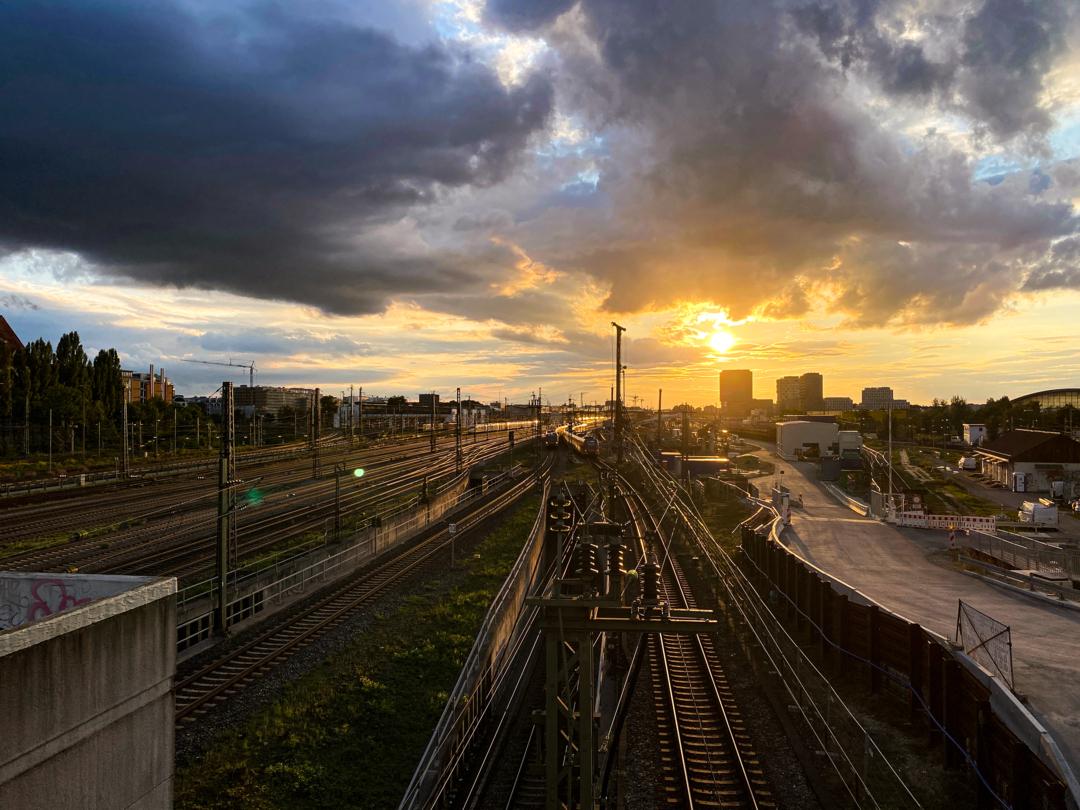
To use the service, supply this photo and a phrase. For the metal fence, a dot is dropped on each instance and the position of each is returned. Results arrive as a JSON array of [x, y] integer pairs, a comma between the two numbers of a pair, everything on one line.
[[854, 637], [1024, 553], [986, 640], [252, 592], [505, 627]]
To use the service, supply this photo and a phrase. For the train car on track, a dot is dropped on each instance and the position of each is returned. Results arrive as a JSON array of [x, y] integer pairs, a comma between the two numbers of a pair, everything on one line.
[[551, 439], [585, 444]]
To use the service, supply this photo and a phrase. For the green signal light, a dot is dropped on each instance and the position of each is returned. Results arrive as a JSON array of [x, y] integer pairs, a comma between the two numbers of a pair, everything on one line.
[[254, 497], [358, 472]]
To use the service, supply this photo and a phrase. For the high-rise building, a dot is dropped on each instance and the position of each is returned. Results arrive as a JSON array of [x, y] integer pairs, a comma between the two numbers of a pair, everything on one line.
[[736, 391], [810, 391], [877, 399], [788, 394]]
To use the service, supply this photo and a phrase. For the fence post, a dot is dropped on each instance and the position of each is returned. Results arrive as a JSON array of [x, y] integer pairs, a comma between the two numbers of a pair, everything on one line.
[[841, 607], [1020, 781], [983, 760], [874, 645], [936, 688], [824, 619], [950, 709], [916, 658]]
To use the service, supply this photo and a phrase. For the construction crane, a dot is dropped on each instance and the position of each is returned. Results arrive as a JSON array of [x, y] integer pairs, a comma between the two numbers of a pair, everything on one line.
[[249, 366]]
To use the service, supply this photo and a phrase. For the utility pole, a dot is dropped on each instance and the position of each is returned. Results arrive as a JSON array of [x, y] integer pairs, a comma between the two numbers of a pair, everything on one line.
[[618, 394], [226, 471], [352, 423], [457, 434], [50, 441], [659, 416], [315, 428], [339, 468], [361, 408], [125, 467], [539, 442], [889, 508], [174, 430], [685, 443], [433, 421]]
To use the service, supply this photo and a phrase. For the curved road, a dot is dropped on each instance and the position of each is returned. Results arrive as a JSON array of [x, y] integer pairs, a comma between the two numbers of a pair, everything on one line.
[[894, 567]]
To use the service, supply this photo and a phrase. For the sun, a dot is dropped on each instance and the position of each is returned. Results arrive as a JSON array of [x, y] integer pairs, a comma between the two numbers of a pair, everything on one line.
[[721, 341]]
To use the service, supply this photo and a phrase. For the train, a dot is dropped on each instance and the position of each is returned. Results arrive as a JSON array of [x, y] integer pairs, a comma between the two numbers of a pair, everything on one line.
[[551, 439], [586, 444]]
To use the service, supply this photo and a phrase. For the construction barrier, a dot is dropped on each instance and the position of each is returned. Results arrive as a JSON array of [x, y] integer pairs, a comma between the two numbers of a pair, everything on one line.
[[922, 520]]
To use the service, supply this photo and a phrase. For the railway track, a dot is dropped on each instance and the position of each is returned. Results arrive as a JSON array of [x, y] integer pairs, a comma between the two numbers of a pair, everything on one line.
[[180, 538], [214, 683], [707, 757], [102, 507]]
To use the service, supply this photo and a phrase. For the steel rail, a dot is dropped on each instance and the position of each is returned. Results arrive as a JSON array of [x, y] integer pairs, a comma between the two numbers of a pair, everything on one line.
[[241, 665]]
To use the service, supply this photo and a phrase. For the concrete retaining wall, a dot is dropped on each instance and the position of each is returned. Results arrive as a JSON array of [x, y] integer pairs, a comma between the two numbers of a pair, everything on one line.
[[86, 708]]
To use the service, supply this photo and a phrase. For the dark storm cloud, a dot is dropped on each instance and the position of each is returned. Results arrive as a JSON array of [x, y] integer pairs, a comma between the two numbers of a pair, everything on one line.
[[749, 167], [1009, 45], [521, 16], [1059, 269], [990, 63], [250, 149]]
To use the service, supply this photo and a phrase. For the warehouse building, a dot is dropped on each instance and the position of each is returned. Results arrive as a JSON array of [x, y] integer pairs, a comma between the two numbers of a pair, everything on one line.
[[806, 438], [1028, 460]]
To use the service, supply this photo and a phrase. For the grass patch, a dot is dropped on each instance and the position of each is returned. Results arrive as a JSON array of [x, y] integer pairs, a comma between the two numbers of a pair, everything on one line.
[[721, 516], [34, 544], [349, 734]]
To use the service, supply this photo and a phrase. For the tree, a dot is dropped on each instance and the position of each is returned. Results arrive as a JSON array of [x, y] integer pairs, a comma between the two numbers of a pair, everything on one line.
[[72, 365], [395, 404], [107, 383], [328, 406]]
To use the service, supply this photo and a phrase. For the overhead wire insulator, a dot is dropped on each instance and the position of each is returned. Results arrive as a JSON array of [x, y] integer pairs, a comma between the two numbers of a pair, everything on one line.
[[650, 582]]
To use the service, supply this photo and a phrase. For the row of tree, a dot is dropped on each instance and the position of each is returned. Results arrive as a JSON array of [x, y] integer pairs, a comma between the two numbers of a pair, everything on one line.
[[943, 420], [34, 380]]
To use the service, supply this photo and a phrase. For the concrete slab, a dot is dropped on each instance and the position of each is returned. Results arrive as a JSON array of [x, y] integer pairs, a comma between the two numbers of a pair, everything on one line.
[[893, 567]]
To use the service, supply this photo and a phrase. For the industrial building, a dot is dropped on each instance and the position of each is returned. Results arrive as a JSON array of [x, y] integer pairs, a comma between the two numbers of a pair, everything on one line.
[[270, 400], [1028, 460], [139, 387], [1051, 399], [86, 712], [736, 391], [802, 437]]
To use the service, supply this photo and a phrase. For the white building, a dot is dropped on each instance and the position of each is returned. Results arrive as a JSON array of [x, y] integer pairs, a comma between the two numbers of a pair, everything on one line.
[[801, 437], [974, 434]]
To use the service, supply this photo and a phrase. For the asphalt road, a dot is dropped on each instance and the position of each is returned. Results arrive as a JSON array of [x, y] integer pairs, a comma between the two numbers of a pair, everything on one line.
[[894, 567]]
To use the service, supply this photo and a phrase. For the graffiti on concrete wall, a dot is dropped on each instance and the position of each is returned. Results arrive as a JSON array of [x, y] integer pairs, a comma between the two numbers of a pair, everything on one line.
[[26, 598]]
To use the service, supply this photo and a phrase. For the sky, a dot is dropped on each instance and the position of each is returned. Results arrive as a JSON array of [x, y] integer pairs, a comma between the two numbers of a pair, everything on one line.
[[419, 195]]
